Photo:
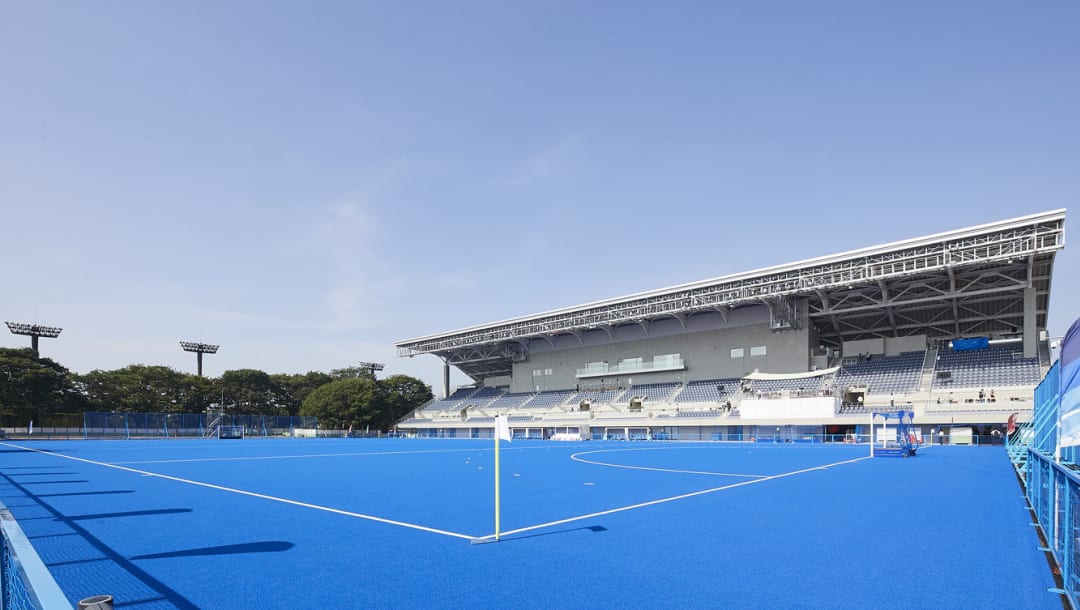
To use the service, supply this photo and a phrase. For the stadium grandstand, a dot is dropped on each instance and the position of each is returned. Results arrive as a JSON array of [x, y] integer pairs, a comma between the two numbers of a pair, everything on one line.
[[951, 325]]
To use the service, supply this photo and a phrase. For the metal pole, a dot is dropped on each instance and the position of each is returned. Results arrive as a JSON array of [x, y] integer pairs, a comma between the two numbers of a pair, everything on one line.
[[871, 434], [497, 507], [446, 379]]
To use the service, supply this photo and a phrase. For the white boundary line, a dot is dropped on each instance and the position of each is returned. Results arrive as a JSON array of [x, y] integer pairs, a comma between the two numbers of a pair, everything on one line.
[[715, 474], [671, 499], [309, 455], [250, 493]]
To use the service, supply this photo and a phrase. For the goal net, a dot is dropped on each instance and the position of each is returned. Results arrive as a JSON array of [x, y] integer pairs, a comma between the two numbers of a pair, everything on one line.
[[893, 434], [230, 432]]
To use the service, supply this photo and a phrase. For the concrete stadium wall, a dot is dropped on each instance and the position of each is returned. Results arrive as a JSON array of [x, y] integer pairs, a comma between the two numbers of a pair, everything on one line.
[[705, 346], [887, 346], [500, 381]]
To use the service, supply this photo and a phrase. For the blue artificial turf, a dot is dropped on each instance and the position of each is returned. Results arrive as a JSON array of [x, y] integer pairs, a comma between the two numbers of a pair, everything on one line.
[[948, 528]]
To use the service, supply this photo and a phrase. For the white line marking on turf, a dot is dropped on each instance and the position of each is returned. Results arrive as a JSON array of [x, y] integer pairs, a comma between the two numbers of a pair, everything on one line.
[[312, 455], [282, 457], [249, 493], [675, 470], [671, 499]]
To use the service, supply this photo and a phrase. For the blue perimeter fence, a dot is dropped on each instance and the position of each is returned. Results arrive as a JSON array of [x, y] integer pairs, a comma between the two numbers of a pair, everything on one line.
[[1053, 485], [101, 424]]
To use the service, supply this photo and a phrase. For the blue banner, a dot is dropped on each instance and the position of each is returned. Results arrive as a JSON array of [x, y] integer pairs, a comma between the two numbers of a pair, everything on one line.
[[1070, 387], [960, 345]]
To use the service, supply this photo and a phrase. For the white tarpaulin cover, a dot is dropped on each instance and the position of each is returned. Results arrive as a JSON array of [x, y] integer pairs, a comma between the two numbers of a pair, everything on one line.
[[755, 376]]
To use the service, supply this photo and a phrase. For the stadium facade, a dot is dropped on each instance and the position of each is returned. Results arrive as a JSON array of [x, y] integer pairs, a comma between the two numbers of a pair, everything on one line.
[[952, 324]]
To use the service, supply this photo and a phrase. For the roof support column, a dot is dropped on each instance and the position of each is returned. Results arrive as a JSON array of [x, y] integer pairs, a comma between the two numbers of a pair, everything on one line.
[[1031, 346], [445, 379]]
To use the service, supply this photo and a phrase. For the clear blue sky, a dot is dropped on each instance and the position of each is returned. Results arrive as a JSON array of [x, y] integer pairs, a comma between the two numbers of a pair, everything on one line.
[[306, 183]]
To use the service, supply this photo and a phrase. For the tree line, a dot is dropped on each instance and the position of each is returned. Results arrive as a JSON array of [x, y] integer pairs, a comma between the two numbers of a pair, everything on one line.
[[44, 391]]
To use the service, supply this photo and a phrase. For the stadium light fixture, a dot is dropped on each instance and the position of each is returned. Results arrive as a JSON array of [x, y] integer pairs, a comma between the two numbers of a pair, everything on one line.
[[199, 349], [370, 367], [33, 331]]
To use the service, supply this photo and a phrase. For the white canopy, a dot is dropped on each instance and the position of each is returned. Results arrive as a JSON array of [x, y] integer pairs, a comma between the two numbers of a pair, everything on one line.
[[756, 376]]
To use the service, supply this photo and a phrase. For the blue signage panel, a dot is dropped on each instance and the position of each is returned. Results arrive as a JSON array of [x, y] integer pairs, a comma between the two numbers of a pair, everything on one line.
[[1070, 387]]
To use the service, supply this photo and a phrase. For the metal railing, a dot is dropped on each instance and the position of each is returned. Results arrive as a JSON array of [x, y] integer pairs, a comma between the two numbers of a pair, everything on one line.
[[1053, 490]]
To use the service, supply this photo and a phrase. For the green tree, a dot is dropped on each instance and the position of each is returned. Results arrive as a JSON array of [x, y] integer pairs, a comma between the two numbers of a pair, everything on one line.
[[294, 389], [403, 394], [33, 387], [147, 389], [363, 402], [357, 402], [251, 392]]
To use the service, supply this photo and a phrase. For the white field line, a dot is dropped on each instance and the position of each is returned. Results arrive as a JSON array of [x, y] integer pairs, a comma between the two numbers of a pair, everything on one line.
[[298, 456], [318, 455], [250, 493], [576, 458], [671, 499]]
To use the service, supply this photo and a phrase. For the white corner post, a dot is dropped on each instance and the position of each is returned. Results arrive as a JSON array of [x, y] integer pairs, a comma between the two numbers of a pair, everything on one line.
[[871, 434]]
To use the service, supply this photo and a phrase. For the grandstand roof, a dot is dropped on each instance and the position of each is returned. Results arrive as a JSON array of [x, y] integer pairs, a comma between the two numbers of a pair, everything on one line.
[[957, 283]]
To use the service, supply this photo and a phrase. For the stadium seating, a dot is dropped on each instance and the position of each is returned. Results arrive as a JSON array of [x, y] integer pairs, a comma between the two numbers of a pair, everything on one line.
[[545, 400], [993, 367], [709, 390], [883, 377], [808, 384], [509, 401], [600, 397], [854, 409], [451, 401], [885, 374], [482, 396], [652, 391]]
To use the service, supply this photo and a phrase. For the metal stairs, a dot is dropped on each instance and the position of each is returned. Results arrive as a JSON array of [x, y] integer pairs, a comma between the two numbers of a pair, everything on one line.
[[1024, 436]]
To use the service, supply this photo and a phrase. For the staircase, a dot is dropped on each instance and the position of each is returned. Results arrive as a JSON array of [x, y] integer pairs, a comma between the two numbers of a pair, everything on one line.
[[212, 427], [926, 381], [1044, 357], [1018, 442], [1017, 445]]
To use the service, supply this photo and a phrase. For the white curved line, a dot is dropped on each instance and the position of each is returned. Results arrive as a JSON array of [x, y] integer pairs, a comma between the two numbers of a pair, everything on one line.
[[576, 458], [671, 499]]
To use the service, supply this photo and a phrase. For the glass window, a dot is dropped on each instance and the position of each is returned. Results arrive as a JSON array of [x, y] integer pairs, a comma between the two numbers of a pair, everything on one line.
[[665, 360], [757, 351], [737, 352]]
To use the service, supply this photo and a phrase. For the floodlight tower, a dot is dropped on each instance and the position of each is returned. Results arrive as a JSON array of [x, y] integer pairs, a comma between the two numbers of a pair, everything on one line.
[[199, 349], [34, 331], [369, 368]]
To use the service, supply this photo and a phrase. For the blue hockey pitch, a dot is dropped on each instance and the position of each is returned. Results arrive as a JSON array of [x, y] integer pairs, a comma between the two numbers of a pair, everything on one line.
[[350, 523]]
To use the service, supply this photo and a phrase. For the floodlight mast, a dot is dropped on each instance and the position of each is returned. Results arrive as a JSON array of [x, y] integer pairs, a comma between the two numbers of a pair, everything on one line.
[[369, 368], [199, 349], [33, 331]]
